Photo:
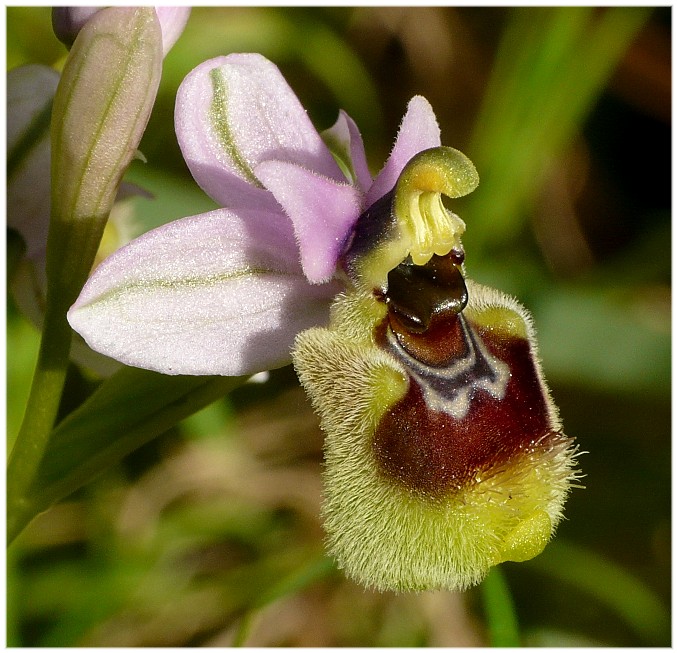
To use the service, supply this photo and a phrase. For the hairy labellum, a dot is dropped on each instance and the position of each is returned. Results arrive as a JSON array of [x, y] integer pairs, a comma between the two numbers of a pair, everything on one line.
[[444, 451], [421, 494], [474, 395]]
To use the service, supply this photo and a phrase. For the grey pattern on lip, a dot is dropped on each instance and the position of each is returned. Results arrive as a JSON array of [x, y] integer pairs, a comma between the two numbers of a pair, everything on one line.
[[450, 389]]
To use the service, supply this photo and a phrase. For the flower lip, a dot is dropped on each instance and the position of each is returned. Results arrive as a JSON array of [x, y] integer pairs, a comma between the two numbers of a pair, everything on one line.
[[467, 459], [420, 294]]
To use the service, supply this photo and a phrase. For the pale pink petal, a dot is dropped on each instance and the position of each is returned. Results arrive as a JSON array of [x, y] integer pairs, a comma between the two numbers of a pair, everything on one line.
[[345, 139], [172, 23], [208, 148], [418, 131], [68, 21], [234, 112], [219, 293], [321, 210]]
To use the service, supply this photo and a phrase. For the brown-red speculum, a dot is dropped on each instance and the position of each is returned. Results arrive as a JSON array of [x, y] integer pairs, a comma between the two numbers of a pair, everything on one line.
[[474, 402]]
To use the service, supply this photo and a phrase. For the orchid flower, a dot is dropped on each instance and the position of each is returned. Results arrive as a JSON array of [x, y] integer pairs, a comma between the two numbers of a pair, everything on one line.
[[444, 451]]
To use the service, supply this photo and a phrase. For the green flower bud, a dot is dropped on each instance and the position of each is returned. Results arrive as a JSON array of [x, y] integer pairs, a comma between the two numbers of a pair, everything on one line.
[[101, 108]]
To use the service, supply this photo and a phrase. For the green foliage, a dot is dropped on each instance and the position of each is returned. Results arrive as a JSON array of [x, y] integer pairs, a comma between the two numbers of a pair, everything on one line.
[[551, 66], [127, 410], [637, 605], [500, 610]]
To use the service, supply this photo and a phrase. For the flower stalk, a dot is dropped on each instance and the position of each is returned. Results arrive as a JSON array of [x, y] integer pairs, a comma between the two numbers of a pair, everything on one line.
[[100, 111]]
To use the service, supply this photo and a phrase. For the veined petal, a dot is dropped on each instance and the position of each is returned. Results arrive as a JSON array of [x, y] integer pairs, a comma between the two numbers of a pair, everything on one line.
[[345, 141], [234, 112], [321, 210], [418, 131], [217, 293], [30, 92]]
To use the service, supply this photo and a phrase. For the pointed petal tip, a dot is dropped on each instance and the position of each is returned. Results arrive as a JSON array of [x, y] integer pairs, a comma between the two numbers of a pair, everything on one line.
[[173, 21], [345, 141], [418, 131]]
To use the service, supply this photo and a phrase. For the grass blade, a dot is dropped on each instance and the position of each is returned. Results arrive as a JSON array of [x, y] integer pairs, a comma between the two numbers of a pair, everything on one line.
[[500, 612]]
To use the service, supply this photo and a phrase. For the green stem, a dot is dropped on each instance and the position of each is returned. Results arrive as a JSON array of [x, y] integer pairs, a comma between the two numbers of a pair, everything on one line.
[[244, 629], [16, 248], [100, 110], [129, 409], [500, 610], [317, 569], [610, 584], [71, 249], [41, 410]]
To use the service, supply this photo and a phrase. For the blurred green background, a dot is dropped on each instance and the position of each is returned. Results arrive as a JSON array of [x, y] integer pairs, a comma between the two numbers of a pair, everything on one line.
[[209, 535]]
